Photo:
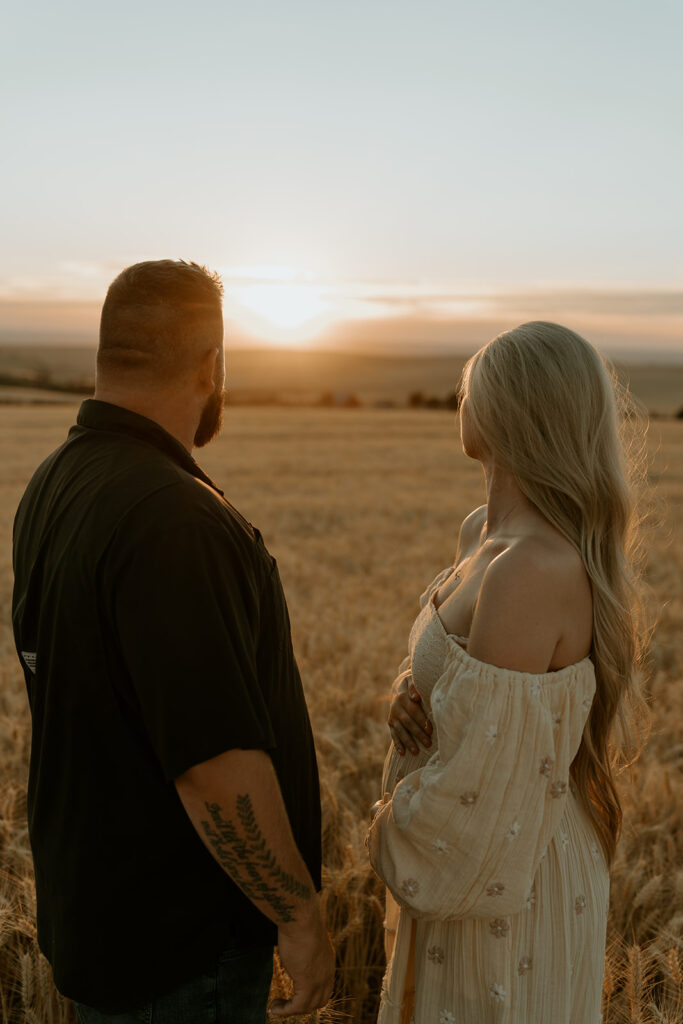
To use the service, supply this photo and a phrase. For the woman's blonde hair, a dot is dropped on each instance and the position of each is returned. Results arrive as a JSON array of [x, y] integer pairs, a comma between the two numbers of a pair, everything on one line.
[[551, 411]]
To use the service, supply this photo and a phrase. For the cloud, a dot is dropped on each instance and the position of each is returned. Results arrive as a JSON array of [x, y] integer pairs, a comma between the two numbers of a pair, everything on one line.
[[68, 281], [613, 302], [541, 301], [382, 316]]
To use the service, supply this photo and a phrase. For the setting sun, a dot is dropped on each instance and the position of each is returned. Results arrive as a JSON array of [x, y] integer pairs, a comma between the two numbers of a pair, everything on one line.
[[279, 301]]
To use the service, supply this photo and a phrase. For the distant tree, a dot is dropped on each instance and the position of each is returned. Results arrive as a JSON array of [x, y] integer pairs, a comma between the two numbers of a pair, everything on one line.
[[452, 400], [679, 414], [352, 402], [416, 399]]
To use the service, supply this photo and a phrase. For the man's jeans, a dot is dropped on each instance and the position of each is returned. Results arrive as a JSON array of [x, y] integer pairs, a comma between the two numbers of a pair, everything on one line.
[[236, 992]]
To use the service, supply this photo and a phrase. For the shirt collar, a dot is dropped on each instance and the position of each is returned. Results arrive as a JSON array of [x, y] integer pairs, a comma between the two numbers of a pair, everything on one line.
[[99, 415]]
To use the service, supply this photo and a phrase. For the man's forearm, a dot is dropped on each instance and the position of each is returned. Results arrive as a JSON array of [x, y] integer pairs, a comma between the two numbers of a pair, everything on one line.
[[235, 804]]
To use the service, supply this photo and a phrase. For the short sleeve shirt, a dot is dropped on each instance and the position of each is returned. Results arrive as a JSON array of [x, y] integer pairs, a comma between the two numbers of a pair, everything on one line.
[[153, 632]]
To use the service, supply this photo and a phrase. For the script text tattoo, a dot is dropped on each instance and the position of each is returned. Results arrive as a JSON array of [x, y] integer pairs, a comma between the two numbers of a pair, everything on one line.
[[243, 851]]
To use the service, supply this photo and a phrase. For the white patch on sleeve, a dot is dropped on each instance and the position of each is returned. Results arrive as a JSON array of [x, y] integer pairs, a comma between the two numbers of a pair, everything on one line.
[[29, 660]]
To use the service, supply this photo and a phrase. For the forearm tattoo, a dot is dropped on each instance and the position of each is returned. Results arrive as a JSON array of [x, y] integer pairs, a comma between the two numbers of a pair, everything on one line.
[[242, 850]]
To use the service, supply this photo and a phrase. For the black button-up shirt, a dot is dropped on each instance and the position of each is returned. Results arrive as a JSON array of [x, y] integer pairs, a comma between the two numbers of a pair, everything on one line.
[[154, 635]]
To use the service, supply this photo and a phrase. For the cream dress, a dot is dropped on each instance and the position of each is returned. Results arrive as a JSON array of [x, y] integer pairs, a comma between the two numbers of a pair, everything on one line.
[[500, 888]]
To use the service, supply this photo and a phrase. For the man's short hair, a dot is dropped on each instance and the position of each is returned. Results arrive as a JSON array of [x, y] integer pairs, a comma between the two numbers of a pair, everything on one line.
[[157, 317]]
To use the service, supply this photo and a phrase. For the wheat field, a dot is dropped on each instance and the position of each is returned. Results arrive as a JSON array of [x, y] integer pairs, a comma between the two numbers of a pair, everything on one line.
[[361, 509]]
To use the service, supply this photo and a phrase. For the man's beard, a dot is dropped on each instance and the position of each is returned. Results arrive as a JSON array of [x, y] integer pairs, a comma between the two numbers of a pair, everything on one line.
[[211, 419]]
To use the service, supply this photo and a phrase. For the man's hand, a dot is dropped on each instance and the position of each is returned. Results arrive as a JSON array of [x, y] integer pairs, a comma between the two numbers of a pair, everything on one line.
[[307, 955], [407, 721]]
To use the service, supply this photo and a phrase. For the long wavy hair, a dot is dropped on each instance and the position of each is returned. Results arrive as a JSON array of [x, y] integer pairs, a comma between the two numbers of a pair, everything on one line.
[[551, 410]]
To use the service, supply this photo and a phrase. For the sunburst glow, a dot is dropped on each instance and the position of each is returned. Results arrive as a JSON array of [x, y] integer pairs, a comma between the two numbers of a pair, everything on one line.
[[278, 302]]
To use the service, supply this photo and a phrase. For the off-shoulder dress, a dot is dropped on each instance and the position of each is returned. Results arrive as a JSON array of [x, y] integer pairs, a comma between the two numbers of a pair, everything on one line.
[[498, 888]]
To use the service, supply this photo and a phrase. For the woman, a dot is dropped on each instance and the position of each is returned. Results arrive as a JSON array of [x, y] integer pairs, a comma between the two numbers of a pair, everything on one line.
[[495, 834]]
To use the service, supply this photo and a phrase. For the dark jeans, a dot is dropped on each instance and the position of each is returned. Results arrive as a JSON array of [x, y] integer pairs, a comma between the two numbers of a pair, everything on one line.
[[235, 992]]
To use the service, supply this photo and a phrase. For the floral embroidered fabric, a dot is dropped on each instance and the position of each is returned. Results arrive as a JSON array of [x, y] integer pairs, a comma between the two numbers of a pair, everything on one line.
[[497, 887]]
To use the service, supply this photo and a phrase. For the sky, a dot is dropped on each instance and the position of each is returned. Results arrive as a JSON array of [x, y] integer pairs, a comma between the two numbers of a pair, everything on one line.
[[377, 174]]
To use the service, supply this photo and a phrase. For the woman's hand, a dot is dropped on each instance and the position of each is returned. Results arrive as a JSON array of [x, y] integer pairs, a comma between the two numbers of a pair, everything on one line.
[[407, 721]]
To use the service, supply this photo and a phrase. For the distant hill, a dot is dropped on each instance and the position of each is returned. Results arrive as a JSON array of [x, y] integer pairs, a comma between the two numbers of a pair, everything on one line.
[[301, 376]]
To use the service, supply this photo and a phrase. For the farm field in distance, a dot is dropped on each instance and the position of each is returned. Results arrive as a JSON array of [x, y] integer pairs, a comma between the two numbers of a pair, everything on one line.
[[303, 377], [361, 508]]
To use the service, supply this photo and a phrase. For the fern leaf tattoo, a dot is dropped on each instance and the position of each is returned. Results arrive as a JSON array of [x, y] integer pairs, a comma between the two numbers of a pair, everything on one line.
[[243, 851]]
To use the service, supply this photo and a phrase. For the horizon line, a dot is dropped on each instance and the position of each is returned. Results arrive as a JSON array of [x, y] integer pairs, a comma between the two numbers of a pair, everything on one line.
[[57, 341]]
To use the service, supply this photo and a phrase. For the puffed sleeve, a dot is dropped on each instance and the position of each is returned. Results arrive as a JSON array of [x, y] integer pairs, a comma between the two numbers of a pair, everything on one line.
[[463, 836]]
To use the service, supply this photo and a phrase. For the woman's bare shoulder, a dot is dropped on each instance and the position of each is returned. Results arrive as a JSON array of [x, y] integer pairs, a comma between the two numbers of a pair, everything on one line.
[[546, 563], [554, 558], [520, 614]]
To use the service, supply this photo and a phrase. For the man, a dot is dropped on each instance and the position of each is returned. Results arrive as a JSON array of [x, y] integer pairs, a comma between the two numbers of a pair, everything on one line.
[[174, 806]]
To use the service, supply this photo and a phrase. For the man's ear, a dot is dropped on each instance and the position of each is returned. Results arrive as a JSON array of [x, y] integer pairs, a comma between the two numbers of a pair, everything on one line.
[[206, 374]]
